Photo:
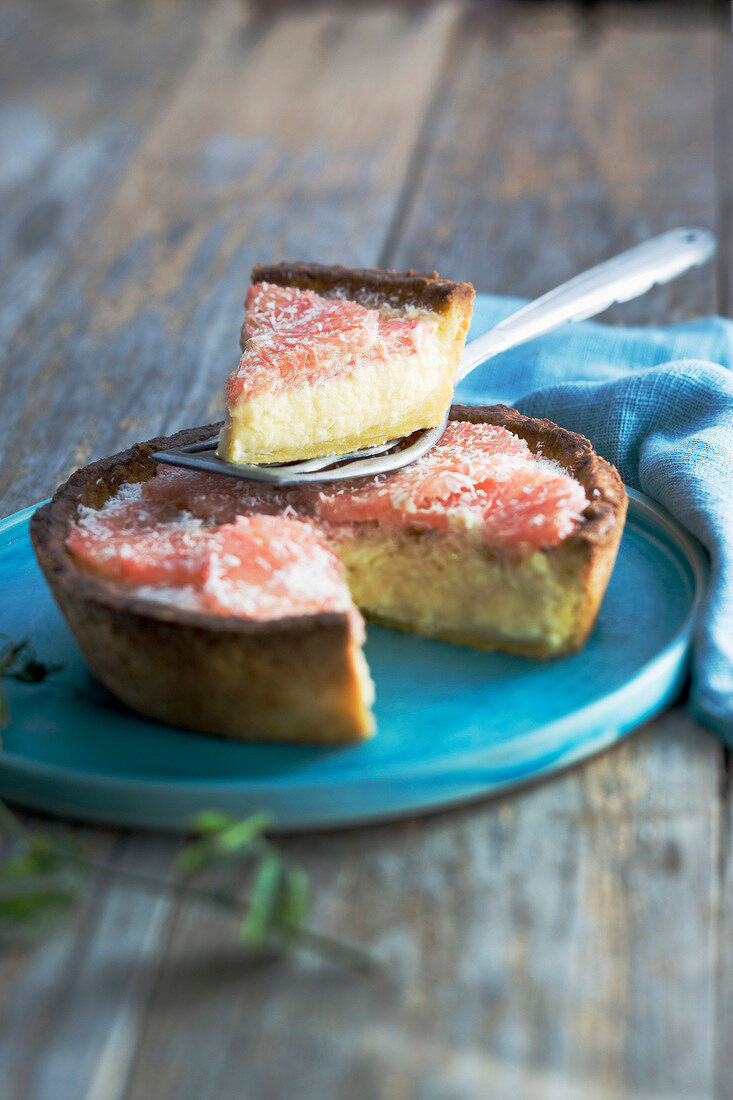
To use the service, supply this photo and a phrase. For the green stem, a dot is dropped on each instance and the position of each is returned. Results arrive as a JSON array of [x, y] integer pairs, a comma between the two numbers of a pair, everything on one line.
[[344, 950], [305, 937]]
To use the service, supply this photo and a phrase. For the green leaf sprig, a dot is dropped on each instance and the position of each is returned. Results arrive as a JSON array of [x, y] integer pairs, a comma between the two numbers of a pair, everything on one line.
[[230, 865], [274, 911]]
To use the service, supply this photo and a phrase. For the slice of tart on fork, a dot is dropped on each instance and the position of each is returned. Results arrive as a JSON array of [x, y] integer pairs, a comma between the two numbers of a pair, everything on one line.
[[337, 359]]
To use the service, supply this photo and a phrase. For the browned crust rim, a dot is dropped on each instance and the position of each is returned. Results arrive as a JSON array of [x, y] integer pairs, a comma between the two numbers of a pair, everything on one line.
[[93, 484], [423, 288]]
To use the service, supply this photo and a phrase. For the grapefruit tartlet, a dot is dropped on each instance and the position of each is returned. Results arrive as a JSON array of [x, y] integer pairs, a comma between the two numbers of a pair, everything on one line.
[[232, 607], [335, 360]]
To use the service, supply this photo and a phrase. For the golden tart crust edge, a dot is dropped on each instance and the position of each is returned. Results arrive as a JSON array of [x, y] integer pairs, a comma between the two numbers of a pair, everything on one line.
[[370, 285]]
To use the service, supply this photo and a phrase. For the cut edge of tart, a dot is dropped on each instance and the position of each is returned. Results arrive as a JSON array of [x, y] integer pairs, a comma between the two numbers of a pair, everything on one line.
[[304, 678], [337, 359]]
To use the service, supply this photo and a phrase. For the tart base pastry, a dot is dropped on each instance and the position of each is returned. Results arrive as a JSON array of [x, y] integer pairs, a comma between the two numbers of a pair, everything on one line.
[[304, 678]]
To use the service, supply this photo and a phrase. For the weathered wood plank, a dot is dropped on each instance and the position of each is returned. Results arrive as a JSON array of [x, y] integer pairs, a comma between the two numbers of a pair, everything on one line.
[[32, 978], [561, 943], [241, 165], [70, 1021], [77, 83], [516, 936], [568, 168], [724, 119]]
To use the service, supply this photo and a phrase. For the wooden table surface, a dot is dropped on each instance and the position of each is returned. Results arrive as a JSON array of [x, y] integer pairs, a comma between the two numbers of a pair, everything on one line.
[[570, 941]]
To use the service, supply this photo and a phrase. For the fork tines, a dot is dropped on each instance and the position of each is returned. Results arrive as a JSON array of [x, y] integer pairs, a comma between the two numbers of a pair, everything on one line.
[[364, 463]]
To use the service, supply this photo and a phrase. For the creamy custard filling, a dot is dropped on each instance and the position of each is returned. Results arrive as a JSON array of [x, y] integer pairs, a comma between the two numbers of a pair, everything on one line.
[[439, 584], [336, 415]]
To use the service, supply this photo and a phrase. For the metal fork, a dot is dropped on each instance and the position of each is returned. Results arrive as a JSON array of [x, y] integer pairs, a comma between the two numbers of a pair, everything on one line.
[[620, 279]]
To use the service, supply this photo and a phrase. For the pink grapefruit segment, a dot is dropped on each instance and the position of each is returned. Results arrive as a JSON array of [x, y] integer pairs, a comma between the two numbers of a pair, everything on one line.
[[258, 567], [135, 543], [266, 567], [478, 477], [296, 337]]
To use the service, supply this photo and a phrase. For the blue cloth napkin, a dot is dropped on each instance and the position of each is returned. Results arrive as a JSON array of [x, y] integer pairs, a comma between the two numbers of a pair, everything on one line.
[[658, 403]]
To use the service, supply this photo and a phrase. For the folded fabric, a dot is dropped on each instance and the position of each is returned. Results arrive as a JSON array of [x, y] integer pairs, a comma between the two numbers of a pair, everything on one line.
[[658, 403]]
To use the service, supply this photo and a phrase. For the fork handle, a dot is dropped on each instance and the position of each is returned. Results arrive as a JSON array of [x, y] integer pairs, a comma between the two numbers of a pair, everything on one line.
[[620, 279]]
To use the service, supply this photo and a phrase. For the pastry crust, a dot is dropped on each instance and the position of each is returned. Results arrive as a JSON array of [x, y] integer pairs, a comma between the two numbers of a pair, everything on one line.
[[372, 285], [301, 679]]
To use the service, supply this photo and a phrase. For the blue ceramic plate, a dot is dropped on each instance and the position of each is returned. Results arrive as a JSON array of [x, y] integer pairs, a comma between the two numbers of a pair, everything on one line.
[[454, 724]]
